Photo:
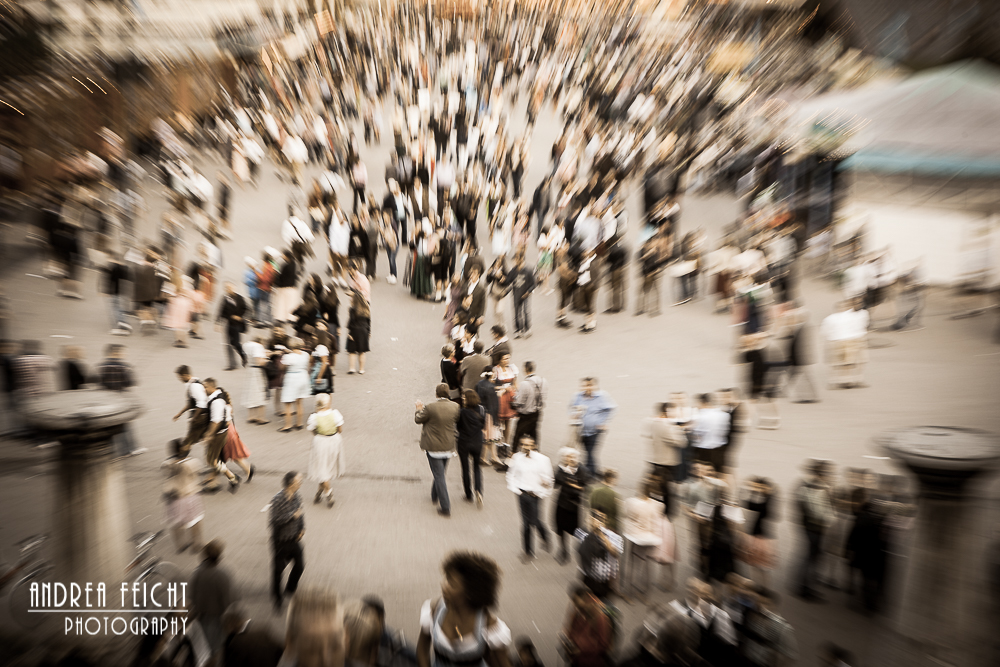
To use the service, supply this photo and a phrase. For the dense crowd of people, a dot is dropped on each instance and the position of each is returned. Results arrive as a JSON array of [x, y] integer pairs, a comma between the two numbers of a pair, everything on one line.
[[632, 116]]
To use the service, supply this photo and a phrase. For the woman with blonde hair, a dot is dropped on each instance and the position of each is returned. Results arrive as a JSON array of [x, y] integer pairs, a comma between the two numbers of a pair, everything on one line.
[[326, 459]]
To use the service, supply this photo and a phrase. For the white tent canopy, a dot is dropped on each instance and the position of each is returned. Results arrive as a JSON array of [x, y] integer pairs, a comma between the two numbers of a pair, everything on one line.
[[941, 121]]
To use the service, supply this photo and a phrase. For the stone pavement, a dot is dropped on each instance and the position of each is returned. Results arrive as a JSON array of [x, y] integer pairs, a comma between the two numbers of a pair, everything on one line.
[[383, 536]]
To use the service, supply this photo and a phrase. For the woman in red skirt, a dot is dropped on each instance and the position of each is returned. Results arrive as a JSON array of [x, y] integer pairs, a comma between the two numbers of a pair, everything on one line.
[[234, 449]]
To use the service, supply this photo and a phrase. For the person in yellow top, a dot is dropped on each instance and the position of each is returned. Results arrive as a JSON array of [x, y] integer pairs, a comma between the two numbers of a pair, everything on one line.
[[326, 460]]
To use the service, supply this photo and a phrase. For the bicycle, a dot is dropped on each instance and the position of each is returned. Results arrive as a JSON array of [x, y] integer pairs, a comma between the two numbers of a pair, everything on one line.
[[31, 569], [152, 570]]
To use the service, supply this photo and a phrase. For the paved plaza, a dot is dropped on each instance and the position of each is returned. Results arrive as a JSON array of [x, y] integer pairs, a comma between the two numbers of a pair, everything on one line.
[[384, 536]]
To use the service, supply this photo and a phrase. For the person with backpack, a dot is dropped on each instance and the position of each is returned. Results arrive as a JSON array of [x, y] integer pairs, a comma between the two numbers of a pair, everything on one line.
[[816, 515], [215, 437], [196, 403]]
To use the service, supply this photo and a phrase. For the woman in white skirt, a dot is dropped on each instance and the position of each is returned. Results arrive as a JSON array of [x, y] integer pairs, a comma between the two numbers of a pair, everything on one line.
[[255, 389], [296, 385], [326, 460]]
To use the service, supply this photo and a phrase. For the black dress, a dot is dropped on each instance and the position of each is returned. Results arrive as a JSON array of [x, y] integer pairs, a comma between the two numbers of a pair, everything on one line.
[[359, 331], [567, 515]]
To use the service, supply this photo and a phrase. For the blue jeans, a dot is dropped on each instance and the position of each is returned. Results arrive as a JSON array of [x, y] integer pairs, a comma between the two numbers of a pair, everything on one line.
[[262, 308], [123, 443], [391, 254], [117, 309], [439, 490], [590, 446]]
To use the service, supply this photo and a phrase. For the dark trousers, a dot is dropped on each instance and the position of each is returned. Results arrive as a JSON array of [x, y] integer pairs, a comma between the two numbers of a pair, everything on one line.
[[665, 474], [590, 446], [470, 230], [522, 315], [233, 343], [810, 566], [618, 289], [196, 428], [284, 553], [359, 193], [439, 489], [527, 424], [529, 519], [469, 456]]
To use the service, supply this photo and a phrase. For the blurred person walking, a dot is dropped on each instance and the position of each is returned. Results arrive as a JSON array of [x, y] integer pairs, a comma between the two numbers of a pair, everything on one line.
[[232, 311], [211, 594], [591, 409], [184, 510], [812, 498], [115, 374], [529, 476], [326, 457], [459, 627], [287, 530], [469, 446], [570, 482], [438, 438]]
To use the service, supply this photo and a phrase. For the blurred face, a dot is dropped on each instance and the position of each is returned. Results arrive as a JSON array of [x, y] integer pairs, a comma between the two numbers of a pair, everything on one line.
[[322, 642], [588, 388], [452, 589], [570, 459], [296, 484], [528, 445], [505, 360]]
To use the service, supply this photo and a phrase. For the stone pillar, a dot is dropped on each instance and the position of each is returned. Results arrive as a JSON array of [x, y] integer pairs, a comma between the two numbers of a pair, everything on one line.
[[937, 624], [90, 523]]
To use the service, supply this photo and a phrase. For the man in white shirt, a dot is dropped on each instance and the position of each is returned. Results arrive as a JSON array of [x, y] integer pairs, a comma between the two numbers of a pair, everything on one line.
[[529, 476], [195, 402], [295, 233], [711, 426], [215, 438]]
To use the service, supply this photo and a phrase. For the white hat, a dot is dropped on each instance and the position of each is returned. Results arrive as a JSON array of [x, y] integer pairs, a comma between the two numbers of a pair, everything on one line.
[[271, 252]]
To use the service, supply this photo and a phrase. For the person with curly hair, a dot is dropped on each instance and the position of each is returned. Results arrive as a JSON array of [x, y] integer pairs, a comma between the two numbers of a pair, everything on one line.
[[458, 628]]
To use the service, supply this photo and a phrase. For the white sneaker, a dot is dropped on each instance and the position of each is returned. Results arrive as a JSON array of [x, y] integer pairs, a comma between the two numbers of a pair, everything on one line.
[[136, 452], [119, 332], [391, 280], [125, 325]]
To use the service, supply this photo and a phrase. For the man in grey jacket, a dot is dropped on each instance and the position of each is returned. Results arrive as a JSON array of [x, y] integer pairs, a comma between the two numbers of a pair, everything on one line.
[[438, 439]]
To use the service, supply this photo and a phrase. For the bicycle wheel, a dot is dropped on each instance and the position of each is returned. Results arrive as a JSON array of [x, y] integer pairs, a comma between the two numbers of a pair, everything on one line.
[[19, 601], [164, 574]]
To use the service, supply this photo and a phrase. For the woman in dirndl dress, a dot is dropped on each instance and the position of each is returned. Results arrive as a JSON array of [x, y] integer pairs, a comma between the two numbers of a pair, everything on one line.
[[234, 449], [326, 459], [505, 378], [756, 548]]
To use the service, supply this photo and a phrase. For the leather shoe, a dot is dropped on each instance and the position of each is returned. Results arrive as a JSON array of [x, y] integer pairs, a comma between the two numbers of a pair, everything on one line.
[[445, 514]]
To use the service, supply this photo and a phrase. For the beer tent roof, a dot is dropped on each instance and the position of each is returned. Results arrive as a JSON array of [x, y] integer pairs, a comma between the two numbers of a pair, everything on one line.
[[944, 121]]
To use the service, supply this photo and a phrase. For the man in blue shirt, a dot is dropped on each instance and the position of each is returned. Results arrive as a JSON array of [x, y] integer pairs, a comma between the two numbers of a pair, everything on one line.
[[590, 410]]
